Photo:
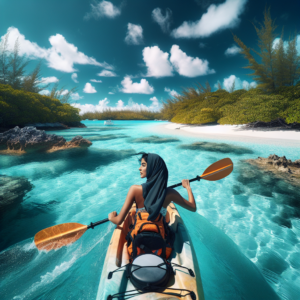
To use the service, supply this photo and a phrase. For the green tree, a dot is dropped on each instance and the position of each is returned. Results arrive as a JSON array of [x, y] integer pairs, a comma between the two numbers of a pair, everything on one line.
[[32, 81], [264, 71], [293, 62], [278, 66], [17, 66], [62, 95], [231, 89], [4, 60], [204, 89]]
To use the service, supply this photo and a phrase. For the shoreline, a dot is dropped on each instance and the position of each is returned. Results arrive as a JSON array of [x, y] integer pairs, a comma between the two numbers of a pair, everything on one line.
[[271, 136]]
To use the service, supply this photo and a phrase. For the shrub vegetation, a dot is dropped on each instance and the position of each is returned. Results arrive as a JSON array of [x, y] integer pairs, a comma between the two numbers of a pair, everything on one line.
[[19, 107]]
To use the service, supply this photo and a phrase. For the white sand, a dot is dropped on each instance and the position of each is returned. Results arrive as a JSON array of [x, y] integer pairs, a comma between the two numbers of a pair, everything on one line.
[[234, 132]]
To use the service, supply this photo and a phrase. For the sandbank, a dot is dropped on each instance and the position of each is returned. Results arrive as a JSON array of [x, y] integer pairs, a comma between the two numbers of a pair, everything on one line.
[[273, 136]]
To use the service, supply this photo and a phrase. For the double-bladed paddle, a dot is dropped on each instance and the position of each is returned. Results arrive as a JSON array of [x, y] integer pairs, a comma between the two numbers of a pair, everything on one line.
[[57, 236]]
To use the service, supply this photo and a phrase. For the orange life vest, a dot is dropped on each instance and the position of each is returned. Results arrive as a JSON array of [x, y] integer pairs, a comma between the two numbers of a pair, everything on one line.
[[149, 236]]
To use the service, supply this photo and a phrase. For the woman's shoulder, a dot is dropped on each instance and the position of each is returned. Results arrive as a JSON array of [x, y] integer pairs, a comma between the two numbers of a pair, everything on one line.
[[136, 188]]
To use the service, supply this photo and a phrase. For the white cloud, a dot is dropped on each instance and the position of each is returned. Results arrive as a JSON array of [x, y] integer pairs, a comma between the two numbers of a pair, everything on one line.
[[134, 34], [157, 62], [45, 92], [286, 44], [106, 73], [238, 83], [61, 56], [50, 79], [217, 17], [97, 81], [104, 105], [74, 77], [247, 85], [88, 88], [155, 106], [64, 92], [111, 93], [228, 82], [187, 65], [231, 51], [139, 88], [163, 21], [103, 9], [76, 96], [172, 93]]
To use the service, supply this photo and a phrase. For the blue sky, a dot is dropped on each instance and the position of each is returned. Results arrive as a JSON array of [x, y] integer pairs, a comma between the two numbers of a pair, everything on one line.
[[137, 53]]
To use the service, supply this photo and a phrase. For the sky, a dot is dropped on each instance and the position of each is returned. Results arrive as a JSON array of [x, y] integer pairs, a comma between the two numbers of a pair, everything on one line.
[[136, 54]]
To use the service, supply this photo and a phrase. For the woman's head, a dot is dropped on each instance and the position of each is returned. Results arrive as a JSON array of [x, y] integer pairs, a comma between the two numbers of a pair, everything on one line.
[[143, 167], [154, 189]]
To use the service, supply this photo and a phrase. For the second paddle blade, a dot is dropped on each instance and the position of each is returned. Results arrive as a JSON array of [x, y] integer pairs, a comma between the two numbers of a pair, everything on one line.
[[59, 235], [218, 170]]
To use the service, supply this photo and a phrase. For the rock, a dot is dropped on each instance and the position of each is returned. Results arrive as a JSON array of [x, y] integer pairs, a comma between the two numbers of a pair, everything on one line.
[[281, 167], [12, 190], [79, 141], [29, 139], [216, 147]]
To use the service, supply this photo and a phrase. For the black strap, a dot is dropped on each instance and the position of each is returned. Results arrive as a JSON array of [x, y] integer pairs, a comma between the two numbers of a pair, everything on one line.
[[154, 289]]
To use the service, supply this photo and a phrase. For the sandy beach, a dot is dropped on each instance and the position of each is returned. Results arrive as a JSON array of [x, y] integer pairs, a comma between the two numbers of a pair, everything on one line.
[[283, 137]]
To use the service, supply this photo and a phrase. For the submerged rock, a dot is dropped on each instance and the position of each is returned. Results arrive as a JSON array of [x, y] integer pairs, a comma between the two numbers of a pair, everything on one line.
[[155, 140], [216, 147], [29, 139], [12, 190], [281, 167]]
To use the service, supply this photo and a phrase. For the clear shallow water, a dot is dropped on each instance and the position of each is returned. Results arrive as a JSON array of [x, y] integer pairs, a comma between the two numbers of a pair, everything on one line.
[[246, 231]]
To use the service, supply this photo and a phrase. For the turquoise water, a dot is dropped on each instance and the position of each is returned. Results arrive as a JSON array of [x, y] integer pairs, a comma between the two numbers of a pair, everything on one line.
[[245, 231]]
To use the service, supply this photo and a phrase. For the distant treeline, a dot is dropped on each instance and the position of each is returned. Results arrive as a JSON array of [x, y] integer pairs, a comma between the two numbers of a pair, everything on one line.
[[19, 107], [121, 115]]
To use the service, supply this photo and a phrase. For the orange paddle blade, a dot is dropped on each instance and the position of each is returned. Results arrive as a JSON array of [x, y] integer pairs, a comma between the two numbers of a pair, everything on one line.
[[57, 236], [218, 170]]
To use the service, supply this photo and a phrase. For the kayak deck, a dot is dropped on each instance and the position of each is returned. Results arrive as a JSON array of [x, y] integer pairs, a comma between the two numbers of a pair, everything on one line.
[[182, 254]]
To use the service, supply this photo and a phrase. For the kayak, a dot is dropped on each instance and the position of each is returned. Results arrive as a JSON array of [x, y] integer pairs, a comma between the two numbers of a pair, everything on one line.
[[183, 254]]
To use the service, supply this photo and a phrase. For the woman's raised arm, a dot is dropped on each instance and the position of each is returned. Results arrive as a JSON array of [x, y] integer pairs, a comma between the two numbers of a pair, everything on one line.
[[173, 195]]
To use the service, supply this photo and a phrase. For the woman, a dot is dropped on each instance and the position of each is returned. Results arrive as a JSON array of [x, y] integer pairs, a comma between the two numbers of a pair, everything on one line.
[[153, 196]]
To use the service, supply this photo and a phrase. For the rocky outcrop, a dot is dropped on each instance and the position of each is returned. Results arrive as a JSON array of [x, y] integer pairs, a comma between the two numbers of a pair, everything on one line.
[[281, 167], [12, 190], [29, 139]]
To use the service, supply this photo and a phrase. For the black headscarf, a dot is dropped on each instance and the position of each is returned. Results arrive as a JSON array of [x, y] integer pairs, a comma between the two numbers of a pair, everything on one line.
[[155, 188]]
